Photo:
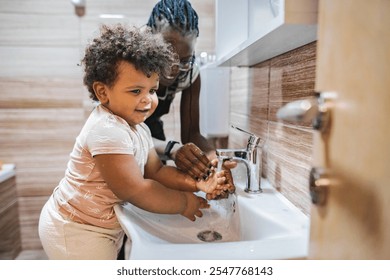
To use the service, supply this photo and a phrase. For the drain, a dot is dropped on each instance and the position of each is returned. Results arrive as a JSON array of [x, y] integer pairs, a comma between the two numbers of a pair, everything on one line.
[[209, 236]]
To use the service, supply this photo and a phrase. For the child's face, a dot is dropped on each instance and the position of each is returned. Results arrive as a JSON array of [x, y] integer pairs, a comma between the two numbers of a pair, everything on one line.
[[133, 96]]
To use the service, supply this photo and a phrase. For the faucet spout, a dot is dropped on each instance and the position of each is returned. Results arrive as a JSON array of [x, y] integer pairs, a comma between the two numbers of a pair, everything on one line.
[[250, 156], [251, 161]]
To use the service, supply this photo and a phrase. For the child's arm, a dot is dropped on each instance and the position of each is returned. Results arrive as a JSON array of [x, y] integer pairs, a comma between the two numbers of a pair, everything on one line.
[[168, 175], [175, 179], [125, 179]]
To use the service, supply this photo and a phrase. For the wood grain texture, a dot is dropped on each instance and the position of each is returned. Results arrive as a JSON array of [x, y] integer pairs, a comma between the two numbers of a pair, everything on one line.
[[10, 240], [354, 62], [29, 211], [256, 95]]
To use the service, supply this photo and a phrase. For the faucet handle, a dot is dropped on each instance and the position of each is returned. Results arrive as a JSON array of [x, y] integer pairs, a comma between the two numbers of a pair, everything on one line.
[[240, 129], [252, 140]]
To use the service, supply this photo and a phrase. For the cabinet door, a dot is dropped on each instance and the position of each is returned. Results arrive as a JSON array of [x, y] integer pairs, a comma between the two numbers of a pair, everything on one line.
[[231, 25], [353, 59]]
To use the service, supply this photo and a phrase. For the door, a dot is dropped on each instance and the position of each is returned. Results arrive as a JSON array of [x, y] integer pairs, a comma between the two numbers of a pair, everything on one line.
[[353, 60]]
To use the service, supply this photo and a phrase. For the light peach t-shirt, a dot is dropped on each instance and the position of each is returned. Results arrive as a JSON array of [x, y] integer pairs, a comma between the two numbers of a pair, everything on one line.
[[82, 195]]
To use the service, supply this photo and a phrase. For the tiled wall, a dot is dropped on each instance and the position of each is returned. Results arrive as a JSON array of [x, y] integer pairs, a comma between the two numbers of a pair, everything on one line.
[[256, 95]]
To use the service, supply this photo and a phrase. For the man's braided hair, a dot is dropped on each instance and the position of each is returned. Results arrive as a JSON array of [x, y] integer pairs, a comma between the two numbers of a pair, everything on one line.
[[179, 14]]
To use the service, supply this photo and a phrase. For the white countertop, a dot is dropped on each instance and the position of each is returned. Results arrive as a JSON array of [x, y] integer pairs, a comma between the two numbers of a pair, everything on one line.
[[7, 171]]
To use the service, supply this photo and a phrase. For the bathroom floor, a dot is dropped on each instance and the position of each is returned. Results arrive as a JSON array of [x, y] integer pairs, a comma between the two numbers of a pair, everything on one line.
[[32, 255]]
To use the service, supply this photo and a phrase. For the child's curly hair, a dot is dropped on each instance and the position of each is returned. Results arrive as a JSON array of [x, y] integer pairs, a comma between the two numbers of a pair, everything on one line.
[[146, 51]]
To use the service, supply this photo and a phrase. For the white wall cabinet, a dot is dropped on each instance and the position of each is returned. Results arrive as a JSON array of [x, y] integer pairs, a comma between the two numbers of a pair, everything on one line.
[[251, 31]]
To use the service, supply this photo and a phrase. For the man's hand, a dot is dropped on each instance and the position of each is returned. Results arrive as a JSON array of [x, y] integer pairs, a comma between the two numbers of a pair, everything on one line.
[[193, 161]]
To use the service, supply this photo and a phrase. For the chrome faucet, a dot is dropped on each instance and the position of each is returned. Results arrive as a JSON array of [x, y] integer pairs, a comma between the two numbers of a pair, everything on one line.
[[250, 156]]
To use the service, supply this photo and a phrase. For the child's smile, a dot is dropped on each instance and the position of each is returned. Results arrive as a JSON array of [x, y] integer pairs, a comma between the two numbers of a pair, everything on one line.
[[146, 112]]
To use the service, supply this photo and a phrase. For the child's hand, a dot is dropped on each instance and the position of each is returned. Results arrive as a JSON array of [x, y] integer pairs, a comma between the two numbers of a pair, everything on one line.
[[215, 185], [228, 186], [193, 205], [212, 183], [231, 188]]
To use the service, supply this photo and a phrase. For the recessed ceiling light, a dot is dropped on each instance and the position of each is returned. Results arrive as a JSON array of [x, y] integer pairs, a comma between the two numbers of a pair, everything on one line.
[[111, 16]]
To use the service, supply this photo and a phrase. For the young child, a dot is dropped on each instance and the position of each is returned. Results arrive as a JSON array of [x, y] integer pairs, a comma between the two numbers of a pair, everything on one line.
[[113, 159]]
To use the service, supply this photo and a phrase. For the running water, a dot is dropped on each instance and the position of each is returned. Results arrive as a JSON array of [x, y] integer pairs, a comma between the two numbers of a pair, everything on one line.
[[221, 220]]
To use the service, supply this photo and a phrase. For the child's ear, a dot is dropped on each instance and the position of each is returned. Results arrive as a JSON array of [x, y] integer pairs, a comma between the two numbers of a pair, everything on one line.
[[100, 92]]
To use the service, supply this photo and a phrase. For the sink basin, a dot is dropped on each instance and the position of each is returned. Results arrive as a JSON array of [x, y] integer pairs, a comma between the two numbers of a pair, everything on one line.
[[246, 226]]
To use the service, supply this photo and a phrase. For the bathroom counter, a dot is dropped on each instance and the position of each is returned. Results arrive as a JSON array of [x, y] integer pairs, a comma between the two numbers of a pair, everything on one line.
[[7, 171]]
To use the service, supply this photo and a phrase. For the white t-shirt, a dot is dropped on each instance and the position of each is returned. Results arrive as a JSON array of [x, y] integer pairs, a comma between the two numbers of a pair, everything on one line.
[[82, 195]]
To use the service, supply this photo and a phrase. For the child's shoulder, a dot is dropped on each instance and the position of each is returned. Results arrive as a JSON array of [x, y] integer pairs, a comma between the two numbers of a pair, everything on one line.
[[144, 127], [101, 122], [101, 116], [145, 130]]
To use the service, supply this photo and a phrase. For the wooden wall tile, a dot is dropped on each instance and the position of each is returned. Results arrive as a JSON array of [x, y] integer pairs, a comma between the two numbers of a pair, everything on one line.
[[29, 211], [42, 93], [289, 151], [292, 78], [256, 95], [260, 90], [58, 62], [39, 142], [34, 29], [288, 159]]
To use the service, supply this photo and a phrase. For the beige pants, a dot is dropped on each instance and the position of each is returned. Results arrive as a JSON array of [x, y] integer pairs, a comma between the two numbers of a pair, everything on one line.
[[66, 240]]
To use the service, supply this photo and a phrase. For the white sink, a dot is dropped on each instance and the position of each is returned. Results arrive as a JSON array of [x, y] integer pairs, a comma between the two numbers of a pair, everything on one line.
[[263, 226]]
